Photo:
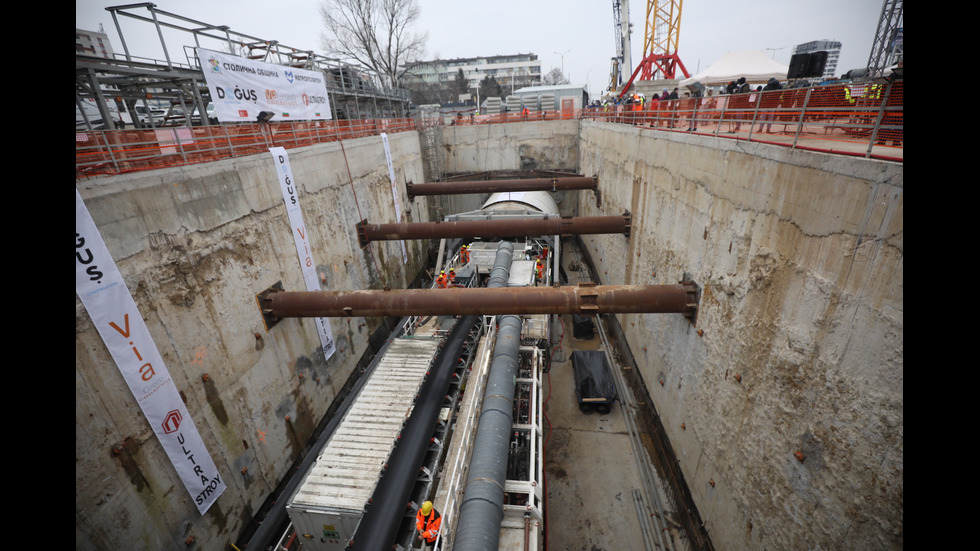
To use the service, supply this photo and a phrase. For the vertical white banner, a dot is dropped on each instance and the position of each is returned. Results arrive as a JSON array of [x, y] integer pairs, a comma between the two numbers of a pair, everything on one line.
[[113, 311], [291, 198], [394, 191]]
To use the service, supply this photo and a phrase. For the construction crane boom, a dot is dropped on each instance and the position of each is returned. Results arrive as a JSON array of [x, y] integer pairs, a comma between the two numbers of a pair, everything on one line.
[[622, 62], [888, 47], [660, 41]]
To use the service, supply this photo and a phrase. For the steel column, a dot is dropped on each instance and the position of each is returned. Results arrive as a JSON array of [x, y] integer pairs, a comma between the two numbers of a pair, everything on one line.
[[495, 186], [582, 299], [581, 225]]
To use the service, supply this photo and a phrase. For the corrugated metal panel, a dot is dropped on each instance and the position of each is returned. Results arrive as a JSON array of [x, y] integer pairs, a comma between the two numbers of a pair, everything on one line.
[[348, 469], [521, 273], [483, 254]]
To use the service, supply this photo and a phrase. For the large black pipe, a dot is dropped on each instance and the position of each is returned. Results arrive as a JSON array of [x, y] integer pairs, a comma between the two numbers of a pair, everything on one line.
[[481, 510], [389, 503]]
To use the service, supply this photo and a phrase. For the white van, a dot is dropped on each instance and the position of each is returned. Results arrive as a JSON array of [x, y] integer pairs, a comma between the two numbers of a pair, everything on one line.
[[146, 114], [94, 116]]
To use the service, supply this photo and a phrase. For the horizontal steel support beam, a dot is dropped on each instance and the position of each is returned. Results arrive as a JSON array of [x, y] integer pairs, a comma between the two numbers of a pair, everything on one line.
[[581, 299], [582, 225], [497, 186]]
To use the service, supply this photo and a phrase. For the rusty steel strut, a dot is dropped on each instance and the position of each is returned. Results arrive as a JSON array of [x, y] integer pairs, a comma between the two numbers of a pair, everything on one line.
[[681, 298], [498, 186], [580, 225]]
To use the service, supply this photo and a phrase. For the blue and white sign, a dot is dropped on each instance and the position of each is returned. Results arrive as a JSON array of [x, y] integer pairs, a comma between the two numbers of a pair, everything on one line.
[[242, 88]]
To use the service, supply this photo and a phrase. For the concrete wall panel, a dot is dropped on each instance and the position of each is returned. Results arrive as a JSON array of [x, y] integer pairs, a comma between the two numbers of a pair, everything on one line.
[[195, 245], [545, 145], [800, 257]]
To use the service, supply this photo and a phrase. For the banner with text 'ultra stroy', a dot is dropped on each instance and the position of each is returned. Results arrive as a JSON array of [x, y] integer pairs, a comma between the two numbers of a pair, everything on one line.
[[242, 88], [113, 311]]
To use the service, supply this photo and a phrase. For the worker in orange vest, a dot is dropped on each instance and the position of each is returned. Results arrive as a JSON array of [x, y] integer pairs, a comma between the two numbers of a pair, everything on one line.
[[539, 270], [452, 276], [464, 254], [442, 280], [427, 522]]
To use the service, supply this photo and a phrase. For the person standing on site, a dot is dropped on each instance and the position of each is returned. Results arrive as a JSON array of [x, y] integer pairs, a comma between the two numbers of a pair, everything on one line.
[[740, 104], [452, 277], [427, 522], [442, 280], [768, 103], [464, 254]]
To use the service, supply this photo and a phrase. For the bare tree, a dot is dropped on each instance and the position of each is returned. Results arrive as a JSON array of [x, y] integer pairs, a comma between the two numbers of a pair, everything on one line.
[[553, 77], [375, 34]]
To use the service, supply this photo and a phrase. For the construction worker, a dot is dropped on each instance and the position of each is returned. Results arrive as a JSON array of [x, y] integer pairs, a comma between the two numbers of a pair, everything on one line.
[[539, 270], [452, 277], [464, 254], [442, 280], [427, 522]]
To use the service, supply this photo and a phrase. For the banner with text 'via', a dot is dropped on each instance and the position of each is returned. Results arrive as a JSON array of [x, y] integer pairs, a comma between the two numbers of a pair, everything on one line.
[[113, 311]]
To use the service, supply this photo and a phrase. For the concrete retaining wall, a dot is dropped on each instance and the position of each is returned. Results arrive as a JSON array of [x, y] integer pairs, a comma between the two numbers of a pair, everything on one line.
[[798, 345], [519, 146], [800, 257], [195, 245]]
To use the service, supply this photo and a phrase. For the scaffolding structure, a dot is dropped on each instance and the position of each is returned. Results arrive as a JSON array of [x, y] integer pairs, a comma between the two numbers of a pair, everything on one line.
[[180, 87], [888, 47]]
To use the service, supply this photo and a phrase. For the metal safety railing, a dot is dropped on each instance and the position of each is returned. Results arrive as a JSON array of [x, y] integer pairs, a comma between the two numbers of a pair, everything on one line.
[[105, 152], [864, 120]]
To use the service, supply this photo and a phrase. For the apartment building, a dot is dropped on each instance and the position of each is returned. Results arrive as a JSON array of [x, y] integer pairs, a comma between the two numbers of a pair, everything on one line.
[[511, 71]]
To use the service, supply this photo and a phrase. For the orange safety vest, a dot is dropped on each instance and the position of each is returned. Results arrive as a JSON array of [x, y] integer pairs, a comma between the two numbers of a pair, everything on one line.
[[428, 526], [464, 256], [441, 281], [452, 277]]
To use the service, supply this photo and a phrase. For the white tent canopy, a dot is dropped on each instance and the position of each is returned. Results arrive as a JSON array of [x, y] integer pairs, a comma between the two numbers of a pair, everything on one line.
[[755, 66]]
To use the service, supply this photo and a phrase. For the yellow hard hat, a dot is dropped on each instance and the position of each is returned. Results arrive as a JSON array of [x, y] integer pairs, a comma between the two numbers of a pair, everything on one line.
[[426, 508]]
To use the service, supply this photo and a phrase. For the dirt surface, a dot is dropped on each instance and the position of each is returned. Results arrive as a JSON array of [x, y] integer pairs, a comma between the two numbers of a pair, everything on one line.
[[590, 467]]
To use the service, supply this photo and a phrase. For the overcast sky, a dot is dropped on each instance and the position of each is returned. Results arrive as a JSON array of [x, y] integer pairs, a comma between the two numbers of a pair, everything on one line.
[[578, 33]]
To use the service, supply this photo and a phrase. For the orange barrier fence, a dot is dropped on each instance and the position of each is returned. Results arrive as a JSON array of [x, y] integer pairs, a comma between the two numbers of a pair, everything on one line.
[[860, 120], [119, 151], [860, 116]]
